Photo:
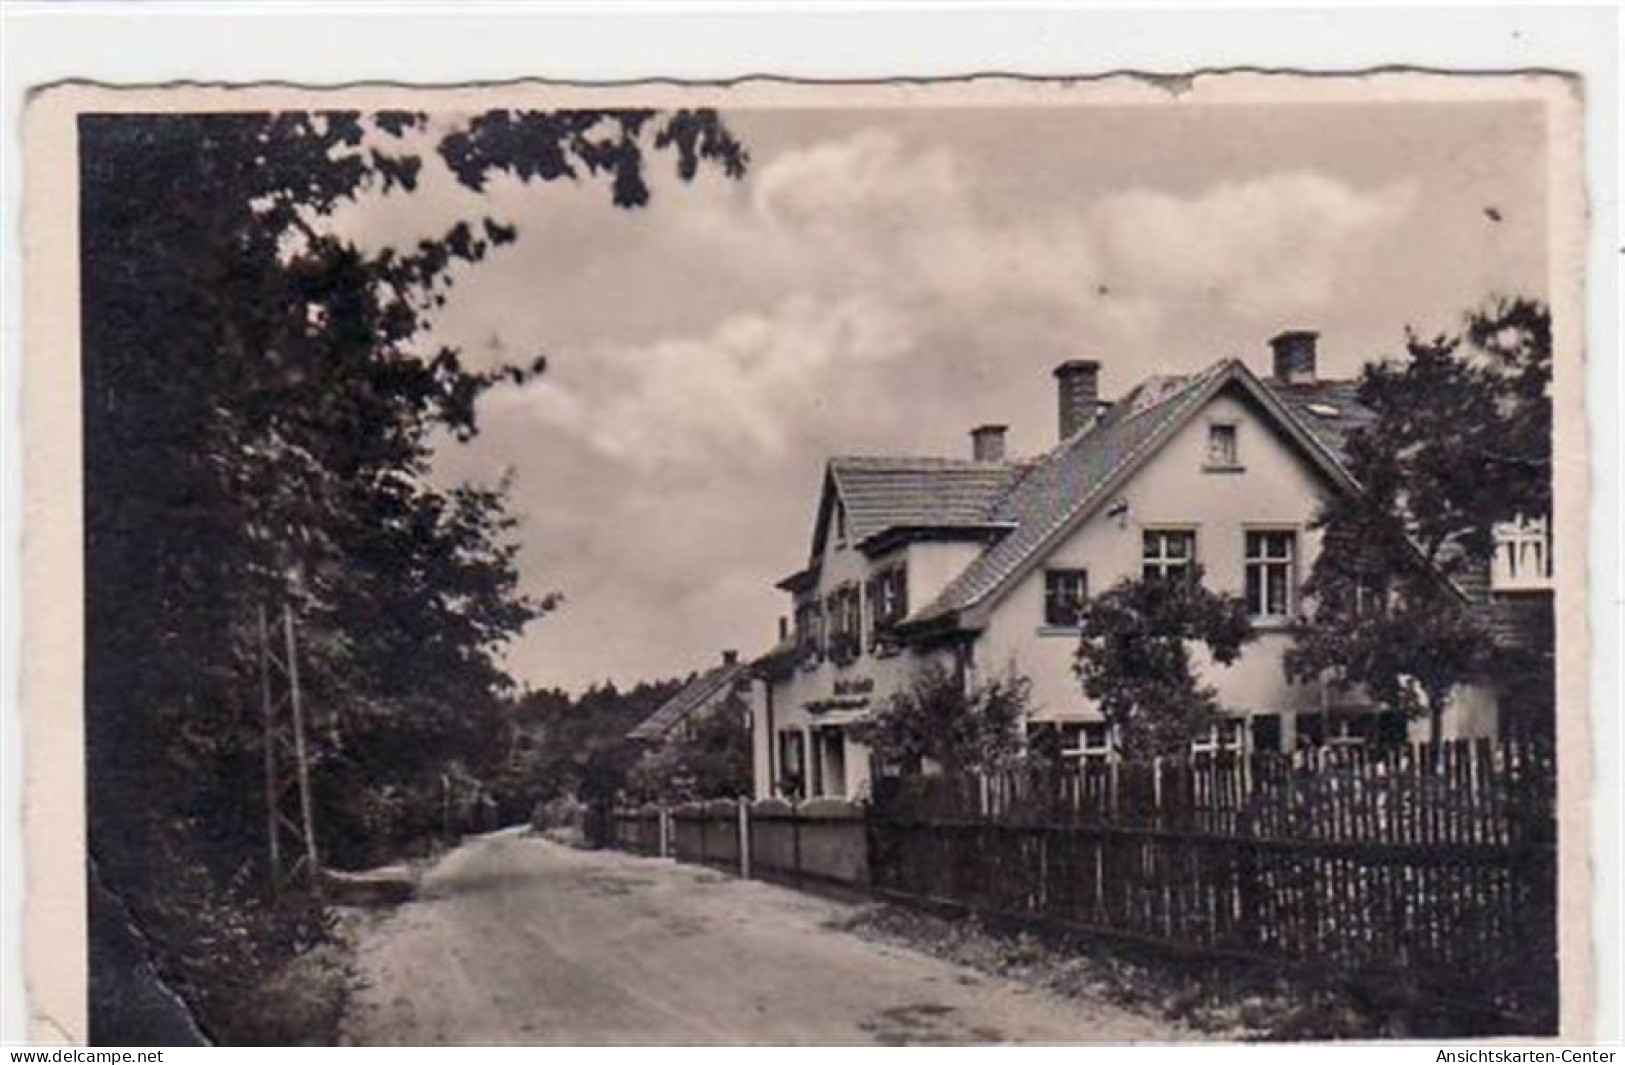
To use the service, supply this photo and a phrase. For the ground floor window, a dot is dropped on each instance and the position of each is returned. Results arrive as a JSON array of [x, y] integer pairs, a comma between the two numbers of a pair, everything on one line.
[[1386, 728], [792, 783], [1266, 729], [829, 763], [1224, 736], [1070, 740]]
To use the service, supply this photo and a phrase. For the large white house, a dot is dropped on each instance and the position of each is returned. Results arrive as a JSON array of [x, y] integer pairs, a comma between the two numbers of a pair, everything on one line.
[[984, 561]]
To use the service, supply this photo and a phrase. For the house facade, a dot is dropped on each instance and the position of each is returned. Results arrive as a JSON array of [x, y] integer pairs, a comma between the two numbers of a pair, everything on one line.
[[984, 562]]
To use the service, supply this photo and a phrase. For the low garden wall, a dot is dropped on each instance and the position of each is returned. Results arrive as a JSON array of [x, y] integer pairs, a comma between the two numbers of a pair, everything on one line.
[[823, 840]]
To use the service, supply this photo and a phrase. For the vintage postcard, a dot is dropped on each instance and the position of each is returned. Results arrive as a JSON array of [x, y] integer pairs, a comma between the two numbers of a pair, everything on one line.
[[993, 561]]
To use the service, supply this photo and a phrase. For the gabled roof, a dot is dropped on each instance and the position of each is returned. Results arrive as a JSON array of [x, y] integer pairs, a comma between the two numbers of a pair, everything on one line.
[[881, 494], [1067, 484], [692, 696], [1331, 410]]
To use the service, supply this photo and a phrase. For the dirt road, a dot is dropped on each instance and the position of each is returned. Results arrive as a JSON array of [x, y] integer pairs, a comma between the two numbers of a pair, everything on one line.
[[517, 940]]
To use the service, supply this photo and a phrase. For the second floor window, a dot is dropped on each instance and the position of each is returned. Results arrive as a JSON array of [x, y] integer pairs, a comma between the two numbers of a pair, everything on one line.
[[1523, 555], [1064, 593], [1169, 553], [809, 629], [844, 610], [888, 599], [1271, 559]]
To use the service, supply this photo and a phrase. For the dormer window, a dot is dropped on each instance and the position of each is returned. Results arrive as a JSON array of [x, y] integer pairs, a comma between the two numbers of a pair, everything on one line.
[[1223, 452]]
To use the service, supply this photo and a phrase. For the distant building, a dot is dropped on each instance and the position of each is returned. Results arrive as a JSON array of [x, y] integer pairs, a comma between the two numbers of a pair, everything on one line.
[[986, 562], [706, 693]]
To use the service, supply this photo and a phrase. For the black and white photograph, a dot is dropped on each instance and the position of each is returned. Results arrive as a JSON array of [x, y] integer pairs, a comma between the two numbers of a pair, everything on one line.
[[973, 562]]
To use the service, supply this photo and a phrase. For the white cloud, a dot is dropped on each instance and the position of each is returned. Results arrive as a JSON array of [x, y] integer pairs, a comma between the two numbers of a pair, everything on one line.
[[871, 213], [1272, 244], [734, 392], [854, 182], [869, 210]]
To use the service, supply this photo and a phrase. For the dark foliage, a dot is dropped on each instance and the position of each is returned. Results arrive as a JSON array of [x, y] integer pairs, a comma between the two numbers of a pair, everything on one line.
[[1134, 658], [1461, 442], [578, 747], [942, 719], [258, 421]]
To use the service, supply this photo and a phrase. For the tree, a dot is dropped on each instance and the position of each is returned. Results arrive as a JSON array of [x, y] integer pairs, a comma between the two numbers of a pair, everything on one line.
[[583, 748], [1460, 440], [941, 720], [709, 760], [259, 413], [1134, 658]]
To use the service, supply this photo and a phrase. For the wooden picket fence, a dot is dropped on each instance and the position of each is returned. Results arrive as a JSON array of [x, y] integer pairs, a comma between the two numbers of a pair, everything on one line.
[[1429, 868]]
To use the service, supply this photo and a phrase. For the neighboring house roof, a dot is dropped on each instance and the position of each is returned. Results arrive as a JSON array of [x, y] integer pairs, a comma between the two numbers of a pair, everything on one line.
[[1067, 484], [692, 696]]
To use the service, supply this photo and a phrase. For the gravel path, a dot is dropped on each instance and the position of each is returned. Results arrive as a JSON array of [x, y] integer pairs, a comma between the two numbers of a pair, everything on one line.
[[514, 939]]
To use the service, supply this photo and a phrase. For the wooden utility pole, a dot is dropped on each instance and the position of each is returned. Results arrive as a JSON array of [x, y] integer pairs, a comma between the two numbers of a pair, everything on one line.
[[289, 810]]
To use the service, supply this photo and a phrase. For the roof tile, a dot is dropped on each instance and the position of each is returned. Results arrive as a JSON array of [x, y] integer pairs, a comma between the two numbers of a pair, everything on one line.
[[886, 493], [1065, 481]]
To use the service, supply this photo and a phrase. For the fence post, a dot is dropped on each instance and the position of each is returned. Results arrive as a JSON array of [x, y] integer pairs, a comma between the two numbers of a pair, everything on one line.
[[663, 830], [795, 842], [1112, 801], [744, 839]]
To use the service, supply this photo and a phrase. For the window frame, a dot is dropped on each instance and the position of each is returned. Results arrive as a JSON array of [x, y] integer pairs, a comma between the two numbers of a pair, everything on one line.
[[809, 615], [1228, 735], [1215, 463], [1075, 741], [843, 623], [791, 739], [886, 592], [1163, 562], [1265, 562], [1053, 575]]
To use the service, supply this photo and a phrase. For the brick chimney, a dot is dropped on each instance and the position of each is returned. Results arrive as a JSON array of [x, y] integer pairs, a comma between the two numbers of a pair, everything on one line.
[[987, 443], [1078, 388], [730, 658], [1294, 353]]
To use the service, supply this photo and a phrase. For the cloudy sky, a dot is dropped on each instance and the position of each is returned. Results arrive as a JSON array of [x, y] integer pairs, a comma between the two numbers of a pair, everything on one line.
[[884, 280]]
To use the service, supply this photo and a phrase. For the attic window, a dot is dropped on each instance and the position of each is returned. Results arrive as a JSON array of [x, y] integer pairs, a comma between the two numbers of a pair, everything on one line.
[[1222, 448], [1324, 410]]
